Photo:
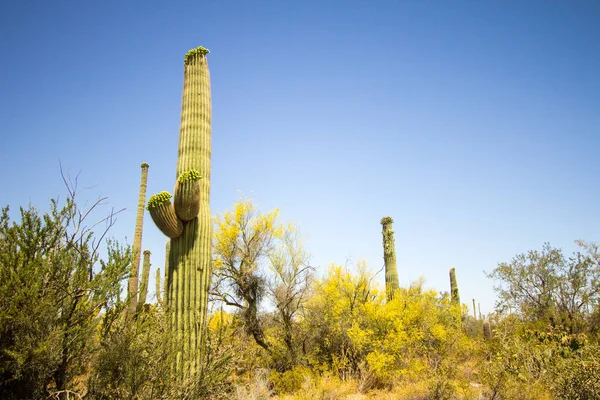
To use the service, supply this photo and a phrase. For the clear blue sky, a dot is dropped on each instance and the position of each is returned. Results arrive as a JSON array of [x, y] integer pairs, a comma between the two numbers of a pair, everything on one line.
[[474, 124]]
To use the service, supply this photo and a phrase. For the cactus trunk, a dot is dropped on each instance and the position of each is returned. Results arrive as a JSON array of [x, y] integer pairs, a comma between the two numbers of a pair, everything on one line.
[[144, 284], [474, 310], [190, 253], [137, 242], [454, 287], [389, 258]]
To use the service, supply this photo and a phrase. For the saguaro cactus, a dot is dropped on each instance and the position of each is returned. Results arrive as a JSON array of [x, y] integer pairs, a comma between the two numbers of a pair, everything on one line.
[[144, 284], [389, 257], [190, 252], [454, 287], [487, 330], [158, 289], [474, 310], [137, 242]]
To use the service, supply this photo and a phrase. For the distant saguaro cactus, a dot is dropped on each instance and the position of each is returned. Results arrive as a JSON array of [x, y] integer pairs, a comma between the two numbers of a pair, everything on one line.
[[158, 287], [454, 287], [188, 221], [144, 284], [389, 257], [132, 291], [487, 330], [474, 310]]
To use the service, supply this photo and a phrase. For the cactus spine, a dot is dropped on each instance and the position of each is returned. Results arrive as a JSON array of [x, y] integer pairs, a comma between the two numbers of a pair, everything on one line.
[[190, 252], [144, 284], [389, 258], [137, 242], [454, 287]]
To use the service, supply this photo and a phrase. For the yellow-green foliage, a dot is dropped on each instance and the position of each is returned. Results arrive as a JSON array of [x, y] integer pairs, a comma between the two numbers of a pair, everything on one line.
[[290, 381], [243, 220], [415, 336]]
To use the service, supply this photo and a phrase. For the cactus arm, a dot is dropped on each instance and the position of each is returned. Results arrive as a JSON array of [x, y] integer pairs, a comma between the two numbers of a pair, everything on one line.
[[144, 284], [187, 195], [164, 216], [389, 258], [132, 287]]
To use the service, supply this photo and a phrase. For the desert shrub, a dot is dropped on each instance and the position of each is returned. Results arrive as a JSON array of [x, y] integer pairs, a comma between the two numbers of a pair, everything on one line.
[[579, 376], [417, 336], [53, 289], [291, 380], [134, 359]]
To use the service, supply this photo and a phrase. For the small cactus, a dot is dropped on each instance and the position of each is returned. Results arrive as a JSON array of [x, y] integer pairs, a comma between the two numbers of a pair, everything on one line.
[[454, 287], [158, 288], [144, 283], [389, 258], [487, 330]]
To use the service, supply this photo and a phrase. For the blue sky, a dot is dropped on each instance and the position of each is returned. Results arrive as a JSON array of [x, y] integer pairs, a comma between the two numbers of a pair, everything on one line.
[[474, 124]]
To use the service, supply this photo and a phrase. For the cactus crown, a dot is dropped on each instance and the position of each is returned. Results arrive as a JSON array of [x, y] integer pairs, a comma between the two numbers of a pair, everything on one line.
[[386, 220], [145, 165], [158, 199], [147, 252], [193, 53], [191, 175]]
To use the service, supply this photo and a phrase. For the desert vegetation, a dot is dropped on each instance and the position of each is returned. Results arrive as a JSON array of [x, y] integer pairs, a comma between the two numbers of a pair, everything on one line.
[[239, 311]]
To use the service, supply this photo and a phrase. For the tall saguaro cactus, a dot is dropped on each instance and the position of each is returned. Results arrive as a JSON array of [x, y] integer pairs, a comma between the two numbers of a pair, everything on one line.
[[187, 220], [454, 287], [137, 242], [389, 257]]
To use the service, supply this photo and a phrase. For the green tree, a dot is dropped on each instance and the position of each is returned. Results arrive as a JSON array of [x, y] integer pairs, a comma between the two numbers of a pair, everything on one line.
[[548, 288], [53, 289]]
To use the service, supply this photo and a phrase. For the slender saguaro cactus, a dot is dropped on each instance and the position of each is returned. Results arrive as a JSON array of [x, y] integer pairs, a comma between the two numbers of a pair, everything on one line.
[[190, 251], [158, 288], [389, 257], [144, 284], [454, 287], [137, 242], [474, 310]]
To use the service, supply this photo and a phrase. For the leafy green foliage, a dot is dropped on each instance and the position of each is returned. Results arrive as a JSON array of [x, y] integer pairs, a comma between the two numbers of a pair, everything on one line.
[[53, 288], [547, 288], [134, 360]]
